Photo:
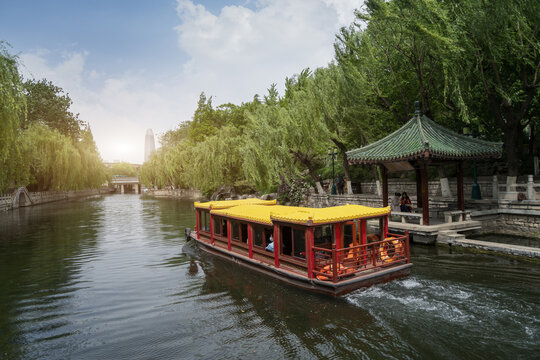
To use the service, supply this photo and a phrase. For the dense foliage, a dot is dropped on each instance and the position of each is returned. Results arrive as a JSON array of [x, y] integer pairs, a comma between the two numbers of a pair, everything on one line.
[[470, 63], [12, 109], [43, 145], [122, 169]]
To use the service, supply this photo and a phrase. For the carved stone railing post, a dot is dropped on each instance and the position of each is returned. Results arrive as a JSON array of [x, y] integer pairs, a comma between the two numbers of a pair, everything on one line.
[[495, 187], [530, 187]]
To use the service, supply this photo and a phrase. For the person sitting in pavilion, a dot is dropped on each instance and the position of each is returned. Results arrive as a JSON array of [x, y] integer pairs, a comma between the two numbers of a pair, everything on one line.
[[406, 205]]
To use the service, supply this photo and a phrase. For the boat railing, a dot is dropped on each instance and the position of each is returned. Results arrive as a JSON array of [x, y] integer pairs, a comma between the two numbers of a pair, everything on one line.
[[337, 264]]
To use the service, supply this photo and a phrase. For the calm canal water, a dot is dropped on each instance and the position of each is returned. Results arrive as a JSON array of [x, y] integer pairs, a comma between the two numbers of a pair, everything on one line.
[[112, 278]]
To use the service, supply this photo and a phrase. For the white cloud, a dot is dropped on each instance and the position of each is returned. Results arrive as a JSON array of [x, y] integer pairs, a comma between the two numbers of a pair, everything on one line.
[[231, 56], [69, 71], [240, 51]]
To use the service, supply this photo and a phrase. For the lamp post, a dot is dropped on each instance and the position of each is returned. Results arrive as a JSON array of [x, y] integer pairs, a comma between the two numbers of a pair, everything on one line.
[[476, 194], [332, 152]]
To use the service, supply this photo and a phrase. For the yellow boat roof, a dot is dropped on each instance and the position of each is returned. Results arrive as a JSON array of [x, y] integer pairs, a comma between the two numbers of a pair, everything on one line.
[[224, 204], [300, 215]]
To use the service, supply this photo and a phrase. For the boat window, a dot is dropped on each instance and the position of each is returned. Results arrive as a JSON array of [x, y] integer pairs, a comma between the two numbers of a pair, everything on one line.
[[261, 235], [217, 227], [323, 236], [299, 243], [244, 230], [205, 220], [268, 236], [258, 236], [372, 232], [223, 227], [286, 240], [347, 235], [235, 230]]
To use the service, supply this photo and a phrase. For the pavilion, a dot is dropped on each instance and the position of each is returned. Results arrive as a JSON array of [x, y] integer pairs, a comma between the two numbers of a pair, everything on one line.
[[418, 144]]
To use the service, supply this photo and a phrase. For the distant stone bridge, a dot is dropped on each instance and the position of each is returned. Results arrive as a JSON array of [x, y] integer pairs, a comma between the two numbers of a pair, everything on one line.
[[126, 184]]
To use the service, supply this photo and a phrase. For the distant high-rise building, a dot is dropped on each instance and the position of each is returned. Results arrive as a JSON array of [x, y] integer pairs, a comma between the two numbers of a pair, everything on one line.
[[149, 145]]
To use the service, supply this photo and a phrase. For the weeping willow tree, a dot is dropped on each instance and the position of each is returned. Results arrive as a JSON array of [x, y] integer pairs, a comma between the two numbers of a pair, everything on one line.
[[93, 170], [12, 112], [217, 160], [286, 137], [55, 164], [150, 171], [203, 153], [267, 161]]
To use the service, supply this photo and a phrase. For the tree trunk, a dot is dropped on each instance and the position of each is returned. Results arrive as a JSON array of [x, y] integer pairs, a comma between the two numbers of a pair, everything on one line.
[[532, 141], [315, 178], [512, 144], [346, 169], [377, 180], [306, 160]]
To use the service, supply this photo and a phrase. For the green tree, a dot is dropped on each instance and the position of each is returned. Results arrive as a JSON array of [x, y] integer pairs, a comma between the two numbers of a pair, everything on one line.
[[497, 71], [217, 160], [55, 164], [286, 137], [173, 137], [122, 169], [47, 104], [94, 172], [12, 109], [204, 121]]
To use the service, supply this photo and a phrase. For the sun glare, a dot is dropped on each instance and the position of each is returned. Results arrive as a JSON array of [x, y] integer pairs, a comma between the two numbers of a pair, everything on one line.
[[123, 148]]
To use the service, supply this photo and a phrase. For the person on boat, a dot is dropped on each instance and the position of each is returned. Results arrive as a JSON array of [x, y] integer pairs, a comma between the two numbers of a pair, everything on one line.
[[406, 205], [396, 202], [270, 246]]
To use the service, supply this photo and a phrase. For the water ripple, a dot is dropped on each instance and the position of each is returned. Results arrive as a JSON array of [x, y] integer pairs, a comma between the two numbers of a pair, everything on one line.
[[113, 278]]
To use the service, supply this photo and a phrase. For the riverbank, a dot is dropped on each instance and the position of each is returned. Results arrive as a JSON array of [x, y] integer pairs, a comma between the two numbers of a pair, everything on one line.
[[191, 194], [23, 198]]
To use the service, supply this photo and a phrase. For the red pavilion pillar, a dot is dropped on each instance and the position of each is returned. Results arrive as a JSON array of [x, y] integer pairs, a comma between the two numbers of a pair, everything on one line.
[[425, 193], [460, 197], [384, 174]]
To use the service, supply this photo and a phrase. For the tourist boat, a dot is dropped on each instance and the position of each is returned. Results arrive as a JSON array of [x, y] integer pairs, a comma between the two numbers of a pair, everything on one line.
[[330, 250]]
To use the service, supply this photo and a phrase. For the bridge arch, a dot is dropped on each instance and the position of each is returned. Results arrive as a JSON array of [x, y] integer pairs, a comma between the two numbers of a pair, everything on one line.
[[21, 198]]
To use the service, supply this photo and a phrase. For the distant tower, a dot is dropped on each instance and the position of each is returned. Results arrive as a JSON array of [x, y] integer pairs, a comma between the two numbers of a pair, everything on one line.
[[149, 145]]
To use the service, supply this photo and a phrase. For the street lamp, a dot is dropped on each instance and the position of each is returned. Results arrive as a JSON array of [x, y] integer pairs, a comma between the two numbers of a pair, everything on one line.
[[332, 152], [476, 194]]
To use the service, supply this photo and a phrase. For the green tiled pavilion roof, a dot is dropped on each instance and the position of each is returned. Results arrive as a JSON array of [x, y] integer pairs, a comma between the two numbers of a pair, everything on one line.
[[421, 137]]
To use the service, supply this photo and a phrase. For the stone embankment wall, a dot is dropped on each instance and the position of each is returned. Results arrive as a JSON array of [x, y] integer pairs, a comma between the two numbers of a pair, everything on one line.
[[521, 218], [175, 193], [517, 223], [434, 187], [315, 200], [5, 202], [42, 197]]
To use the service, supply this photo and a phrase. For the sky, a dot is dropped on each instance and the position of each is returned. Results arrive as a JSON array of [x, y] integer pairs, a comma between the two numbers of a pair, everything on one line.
[[132, 65]]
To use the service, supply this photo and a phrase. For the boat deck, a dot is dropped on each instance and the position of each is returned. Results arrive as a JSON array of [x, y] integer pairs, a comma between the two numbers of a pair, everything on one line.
[[297, 278]]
